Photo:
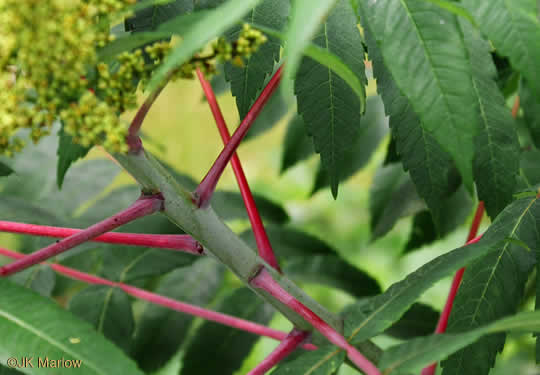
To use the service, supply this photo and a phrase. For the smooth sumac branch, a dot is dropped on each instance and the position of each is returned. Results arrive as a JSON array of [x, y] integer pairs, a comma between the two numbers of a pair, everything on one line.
[[144, 206], [263, 280], [204, 191], [263, 243], [231, 321], [286, 347], [180, 242]]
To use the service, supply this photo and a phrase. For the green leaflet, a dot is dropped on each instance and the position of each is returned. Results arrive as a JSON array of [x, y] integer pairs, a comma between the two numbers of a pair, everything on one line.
[[229, 346], [324, 361], [422, 47], [47, 329], [330, 109], [370, 318], [247, 81], [161, 331], [305, 19], [373, 128], [68, 152], [108, 309], [5, 170], [496, 159], [483, 297], [514, 29], [530, 105], [392, 196], [215, 22], [413, 355], [430, 167], [419, 320], [297, 145]]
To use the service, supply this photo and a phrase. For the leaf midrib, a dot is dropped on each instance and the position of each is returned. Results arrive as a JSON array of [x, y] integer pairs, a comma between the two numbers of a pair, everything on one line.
[[431, 65]]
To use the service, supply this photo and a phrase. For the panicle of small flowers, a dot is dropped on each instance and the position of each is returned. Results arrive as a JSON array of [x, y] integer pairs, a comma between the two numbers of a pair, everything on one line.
[[49, 70], [46, 48]]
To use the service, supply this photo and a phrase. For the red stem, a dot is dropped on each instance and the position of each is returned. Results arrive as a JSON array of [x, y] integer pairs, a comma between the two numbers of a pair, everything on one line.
[[132, 139], [217, 317], [445, 314], [207, 186], [263, 243], [178, 242], [263, 280], [146, 205], [286, 347]]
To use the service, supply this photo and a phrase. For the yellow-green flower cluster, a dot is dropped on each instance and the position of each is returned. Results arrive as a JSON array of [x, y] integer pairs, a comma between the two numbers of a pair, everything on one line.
[[49, 70], [46, 48]]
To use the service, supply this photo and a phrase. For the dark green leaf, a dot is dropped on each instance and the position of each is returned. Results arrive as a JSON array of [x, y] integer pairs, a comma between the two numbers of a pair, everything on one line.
[[5, 170], [306, 258], [518, 221], [150, 18], [162, 331], [68, 152], [31, 324], [229, 346], [392, 155], [247, 81], [492, 288], [530, 169], [324, 361], [496, 159], [430, 167], [531, 111], [333, 271], [330, 109], [373, 128], [419, 320], [214, 23], [108, 309], [40, 278], [298, 146], [392, 196], [289, 242], [305, 20], [519, 39], [230, 205], [423, 231], [424, 50], [412, 355]]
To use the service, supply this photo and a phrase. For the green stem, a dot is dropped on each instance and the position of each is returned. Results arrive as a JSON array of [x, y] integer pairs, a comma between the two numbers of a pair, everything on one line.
[[218, 240]]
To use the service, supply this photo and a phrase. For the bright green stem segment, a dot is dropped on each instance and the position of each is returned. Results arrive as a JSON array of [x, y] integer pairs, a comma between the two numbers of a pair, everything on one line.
[[218, 240]]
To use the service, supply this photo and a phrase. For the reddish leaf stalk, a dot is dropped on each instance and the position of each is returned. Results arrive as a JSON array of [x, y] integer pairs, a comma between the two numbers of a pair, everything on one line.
[[146, 205], [445, 314], [203, 193], [178, 242], [157, 299], [133, 140], [263, 280], [263, 243], [286, 347]]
